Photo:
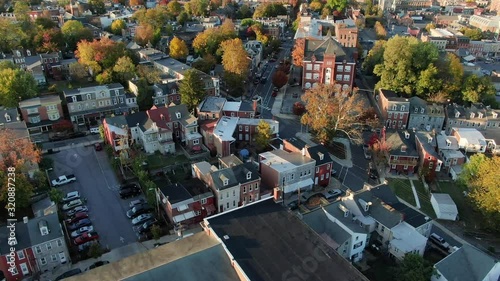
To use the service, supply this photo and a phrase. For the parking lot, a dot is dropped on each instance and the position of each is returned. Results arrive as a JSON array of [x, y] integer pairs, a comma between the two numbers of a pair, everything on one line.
[[96, 182]]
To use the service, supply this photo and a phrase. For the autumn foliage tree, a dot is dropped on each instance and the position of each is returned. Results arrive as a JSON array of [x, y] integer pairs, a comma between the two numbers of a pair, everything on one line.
[[280, 79], [264, 135], [209, 41], [380, 31], [117, 26], [329, 110], [298, 52], [18, 157], [99, 55], [49, 40], [144, 34], [298, 108], [178, 49], [235, 57]]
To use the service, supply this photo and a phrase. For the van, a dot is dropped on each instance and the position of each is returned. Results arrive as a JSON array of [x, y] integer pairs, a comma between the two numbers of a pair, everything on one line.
[[94, 130], [439, 241]]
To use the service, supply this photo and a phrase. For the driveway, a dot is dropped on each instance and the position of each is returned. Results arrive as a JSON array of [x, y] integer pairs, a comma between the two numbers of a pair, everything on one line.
[[97, 183]]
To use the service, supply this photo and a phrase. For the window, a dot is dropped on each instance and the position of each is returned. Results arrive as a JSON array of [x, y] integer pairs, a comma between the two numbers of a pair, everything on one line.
[[13, 271], [357, 245], [32, 110], [389, 115], [24, 269], [49, 246], [89, 96], [54, 116], [250, 188], [246, 128], [347, 77], [401, 115], [406, 167], [195, 142], [402, 108], [43, 261], [315, 76], [38, 249], [317, 67], [317, 169], [198, 213], [20, 255], [176, 125], [347, 68], [338, 77], [244, 189], [256, 186], [234, 203], [394, 107], [53, 257], [309, 66], [251, 198], [308, 75], [204, 201], [227, 204], [121, 100], [340, 68], [74, 98], [59, 243], [234, 192]]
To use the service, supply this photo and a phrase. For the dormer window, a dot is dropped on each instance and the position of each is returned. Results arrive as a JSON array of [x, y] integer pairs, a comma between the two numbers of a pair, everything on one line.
[[178, 115], [429, 140], [44, 228], [448, 143], [472, 115], [7, 117], [321, 156], [422, 110], [403, 148], [394, 107], [416, 109], [457, 114], [249, 175], [403, 108], [495, 115], [480, 115], [224, 179], [73, 98]]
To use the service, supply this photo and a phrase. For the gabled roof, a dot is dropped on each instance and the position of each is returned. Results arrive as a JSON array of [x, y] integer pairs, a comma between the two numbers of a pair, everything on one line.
[[428, 142], [242, 171], [175, 192], [327, 229], [219, 175], [211, 104], [160, 116], [117, 121], [138, 119], [466, 263], [395, 140], [320, 154]]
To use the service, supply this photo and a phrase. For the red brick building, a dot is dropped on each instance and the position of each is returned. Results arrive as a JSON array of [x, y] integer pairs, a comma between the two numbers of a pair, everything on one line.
[[326, 61], [401, 153], [41, 113], [429, 162], [324, 162], [186, 203], [394, 108]]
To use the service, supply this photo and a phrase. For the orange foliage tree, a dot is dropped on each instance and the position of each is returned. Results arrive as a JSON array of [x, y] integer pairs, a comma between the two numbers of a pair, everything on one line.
[[99, 55], [298, 52]]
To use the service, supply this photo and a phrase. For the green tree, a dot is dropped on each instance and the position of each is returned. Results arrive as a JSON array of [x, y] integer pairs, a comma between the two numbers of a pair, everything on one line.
[[474, 34], [40, 181], [413, 268], [16, 85], [144, 96], [275, 45], [244, 12], [97, 6], [45, 23], [235, 57], [478, 89], [178, 49], [265, 10], [375, 56], [102, 133], [174, 9], [430, 26], [55, 195], [124, 69], [452, 75], [78, 71], [73, 32], [117, 26], [21, 10], [192, 89], [234, 84], [100, 56], [95, 250], [156, 231], [264, 135], [24, 189], [337, 5], [182, 18], [150, 73], [12, 35], [205, 64], [209, 41], [197, 8]]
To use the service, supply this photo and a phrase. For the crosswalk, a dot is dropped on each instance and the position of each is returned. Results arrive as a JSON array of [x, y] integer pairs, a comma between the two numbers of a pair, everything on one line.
[[265, 107]]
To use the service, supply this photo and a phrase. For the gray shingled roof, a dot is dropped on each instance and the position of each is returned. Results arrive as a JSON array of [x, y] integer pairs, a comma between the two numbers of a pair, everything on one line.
[[467, 263], [241, 171], [228, 173], [319, 222], [328, 46], [396, 139]]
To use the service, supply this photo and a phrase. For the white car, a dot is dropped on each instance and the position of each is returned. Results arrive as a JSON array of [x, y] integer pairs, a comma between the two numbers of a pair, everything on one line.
[[141, 219], [330, 194], [72, 204], [71, 196], [81, 231]]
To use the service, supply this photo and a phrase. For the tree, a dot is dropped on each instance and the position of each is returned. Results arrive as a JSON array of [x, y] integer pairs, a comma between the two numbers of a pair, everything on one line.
[[124, 69], [337, 5], [21, 10], [298, 52], [299, 108], [266, 10], [452, 75], [156, 231], [316, 6], [55, 195], [99, 55], [97, 7], [413, 268], [150, 73], [178, 49], [117, 26], [234, 84], [78, 71], [45, 23], [146, 34], [16, 85], [182, 18], [380, 31], [329, 110], [104, 77], [280, 79], [95, 250], [430, 26], [156, 17], [74, 32], [244, 12], [192, 89], [209, 41], [264, 135], [174, 9], [23, 189], [474, 34], [206, 64], [235, 57], [196, 8], [40, 181], [275, 45], [144, 96], [49, 40], [478, 89], [136, 2]]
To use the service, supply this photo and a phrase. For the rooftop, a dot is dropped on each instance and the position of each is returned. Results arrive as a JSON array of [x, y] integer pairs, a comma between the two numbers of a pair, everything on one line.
[[473, 136], [49, 99], [225, 128], [267, 242], [281, 160], [70, 92], [175, 193], [211, 104], [232, 106], [406, 238]]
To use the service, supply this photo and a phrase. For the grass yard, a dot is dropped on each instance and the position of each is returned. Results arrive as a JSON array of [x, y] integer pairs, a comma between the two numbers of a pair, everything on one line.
[[402, 189], [425, 199], [157, 161], [465, 211]]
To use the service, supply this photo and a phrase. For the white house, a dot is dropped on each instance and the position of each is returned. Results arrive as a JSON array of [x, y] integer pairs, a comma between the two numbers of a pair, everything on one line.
[[444, 206], [405, 239], [470, 139], [467, 263]]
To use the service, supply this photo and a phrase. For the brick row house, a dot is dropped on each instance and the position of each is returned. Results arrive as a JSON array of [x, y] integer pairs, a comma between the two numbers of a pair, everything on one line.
[[476, 116], [324, 163], [157, 129], [232, 186], [286, 173], [394, 108], [186, 202], [429, 160], [39, 244], [41, 113], [401, 151]]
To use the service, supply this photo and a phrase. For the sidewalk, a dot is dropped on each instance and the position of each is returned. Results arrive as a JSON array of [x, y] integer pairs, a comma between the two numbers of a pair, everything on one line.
[[417, 200], [117, 254]]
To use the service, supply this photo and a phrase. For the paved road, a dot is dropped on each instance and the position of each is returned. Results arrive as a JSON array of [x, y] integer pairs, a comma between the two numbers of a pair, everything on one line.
[[97, 182]]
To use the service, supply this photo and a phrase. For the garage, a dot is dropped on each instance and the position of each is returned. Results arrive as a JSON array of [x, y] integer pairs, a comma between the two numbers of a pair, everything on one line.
[[444, 207]]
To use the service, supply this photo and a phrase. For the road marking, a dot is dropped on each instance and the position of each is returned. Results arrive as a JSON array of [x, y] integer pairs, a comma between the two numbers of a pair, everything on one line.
[[122, 239], [346, 171]]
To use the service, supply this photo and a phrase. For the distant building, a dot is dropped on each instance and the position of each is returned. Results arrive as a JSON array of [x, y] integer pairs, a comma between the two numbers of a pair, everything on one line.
[[424, 116]]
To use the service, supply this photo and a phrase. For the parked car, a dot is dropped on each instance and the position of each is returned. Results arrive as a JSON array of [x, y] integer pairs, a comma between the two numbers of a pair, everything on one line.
[[334, 173], [79, 224], [129, 185], [86, 237], [275, 92], [98, 264], [72, 204], [142, 218], [373, 174], [98, 146], [85, 246], [146, 226], [138, 210], [67, 274], [439, 241], [293, 205], [81, 231], [156, 245], [77, 217], [70, 196], [79, 209], [129, 192], [134, 203], [331, 194], [62, 180]]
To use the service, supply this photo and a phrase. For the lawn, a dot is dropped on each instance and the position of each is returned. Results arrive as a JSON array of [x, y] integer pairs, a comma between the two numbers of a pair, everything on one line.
[[402, 189], [465, 211], [157, 161], [425, 199]]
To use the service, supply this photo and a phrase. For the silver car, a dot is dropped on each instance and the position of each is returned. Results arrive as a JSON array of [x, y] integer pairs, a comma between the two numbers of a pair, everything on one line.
[[81, 231], [72, 204], [141, 219]]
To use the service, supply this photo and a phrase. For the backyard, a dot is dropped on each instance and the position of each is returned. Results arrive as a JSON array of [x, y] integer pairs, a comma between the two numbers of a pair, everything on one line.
[[425, 199], [157, 161], [465, 211], [402, 189]]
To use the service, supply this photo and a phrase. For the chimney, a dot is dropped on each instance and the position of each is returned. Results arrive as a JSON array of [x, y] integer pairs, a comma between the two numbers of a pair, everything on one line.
[[25, 219], [303, 152], [254, 105]]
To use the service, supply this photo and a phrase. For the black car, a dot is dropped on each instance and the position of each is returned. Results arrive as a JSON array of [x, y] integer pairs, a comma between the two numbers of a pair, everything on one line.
[[67, 274], [98, 264], [129, 192], [146, 226], [138, 210], [293, 205], [81, 223], [127, 186]]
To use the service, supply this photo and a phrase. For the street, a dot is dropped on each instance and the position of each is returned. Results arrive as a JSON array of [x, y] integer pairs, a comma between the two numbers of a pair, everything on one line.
[[97, 183]]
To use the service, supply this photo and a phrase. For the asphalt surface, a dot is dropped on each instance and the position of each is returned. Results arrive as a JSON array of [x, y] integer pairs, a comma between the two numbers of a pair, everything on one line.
[[97, 183]]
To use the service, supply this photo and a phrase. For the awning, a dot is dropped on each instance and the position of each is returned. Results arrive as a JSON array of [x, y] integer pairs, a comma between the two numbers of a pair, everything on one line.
[[183, 217], [469, 58], [295, 186]]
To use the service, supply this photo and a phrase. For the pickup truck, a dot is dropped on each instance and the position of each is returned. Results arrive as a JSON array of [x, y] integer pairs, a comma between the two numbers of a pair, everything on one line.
[[62, 180]]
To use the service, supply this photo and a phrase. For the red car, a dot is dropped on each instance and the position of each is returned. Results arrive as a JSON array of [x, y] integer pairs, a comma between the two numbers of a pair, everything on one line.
[[98, 146], [86, 237], [275, 92], [77, 217]]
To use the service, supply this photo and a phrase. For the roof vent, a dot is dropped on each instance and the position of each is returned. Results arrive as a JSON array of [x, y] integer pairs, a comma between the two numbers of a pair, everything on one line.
[[407, 135], [344, 210], [25, 219], [226, 237]]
